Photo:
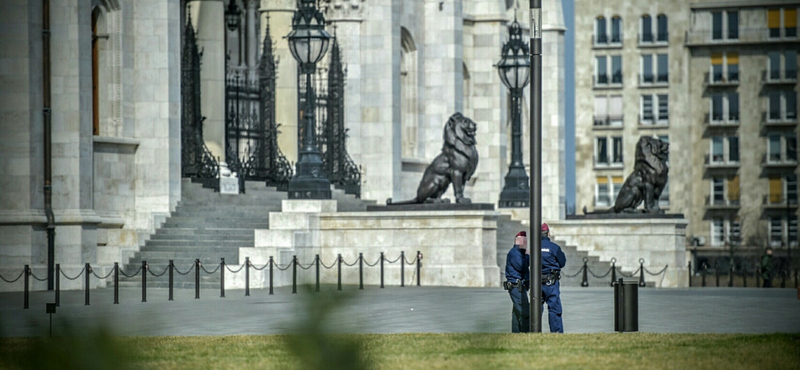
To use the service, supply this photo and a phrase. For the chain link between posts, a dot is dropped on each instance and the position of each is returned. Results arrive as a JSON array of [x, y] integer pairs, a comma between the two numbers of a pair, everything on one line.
[[657, 273], [373, 265], [14, 280], [37, 278], [599, 276], [184, 273], [232, 271], [79, 274], [210, 272], [157, 275], [102, 277]]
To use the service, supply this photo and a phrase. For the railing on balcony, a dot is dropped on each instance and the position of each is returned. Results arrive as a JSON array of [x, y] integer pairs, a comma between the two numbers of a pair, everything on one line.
[[720, 201], [774, 119], [653, 39], [721, 119], [607, 162], [604, 41], [720, 79], [780, 159], [777, 76], [719, 161], [603, 81], [779, 200], [611, 121], [653, 79], [651, 120], [744, 35]]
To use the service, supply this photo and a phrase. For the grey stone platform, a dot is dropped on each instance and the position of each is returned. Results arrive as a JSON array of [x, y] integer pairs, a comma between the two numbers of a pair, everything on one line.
[[400, 310]]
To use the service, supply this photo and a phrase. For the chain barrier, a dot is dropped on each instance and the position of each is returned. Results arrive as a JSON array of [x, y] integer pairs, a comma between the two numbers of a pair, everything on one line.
[[350, 264], [374, 264], [307, 267], [76, 276], [157, 275], [326, 266], [211, 272], [277, 266], [576, 274], [132, 275], [184, 273], [626, 275], [599, 276], [14, 280], [411, 262], [657, 273], [103, 277], [259, 268], [34, 276], [395, 260], [233, 272]]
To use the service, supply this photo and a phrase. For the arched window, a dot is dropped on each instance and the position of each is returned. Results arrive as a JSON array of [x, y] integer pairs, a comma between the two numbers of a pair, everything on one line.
[[600, 30], [616, 29], [408, 95], [662, 31], [647, 29]]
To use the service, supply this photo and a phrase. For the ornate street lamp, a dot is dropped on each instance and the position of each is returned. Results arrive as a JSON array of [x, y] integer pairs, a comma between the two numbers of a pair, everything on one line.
[[514, 69], [308, 43], [233, 16]]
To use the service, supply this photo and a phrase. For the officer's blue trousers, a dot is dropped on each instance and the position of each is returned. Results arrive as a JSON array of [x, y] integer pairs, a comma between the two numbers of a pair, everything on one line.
[[551, 294], [521, 313]]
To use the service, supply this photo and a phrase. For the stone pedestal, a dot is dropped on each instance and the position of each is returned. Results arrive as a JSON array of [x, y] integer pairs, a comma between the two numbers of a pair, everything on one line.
[[659, 241]]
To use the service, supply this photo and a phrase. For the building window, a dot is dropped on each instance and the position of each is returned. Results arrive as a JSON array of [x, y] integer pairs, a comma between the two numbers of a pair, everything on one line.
[[717, 150], [716, 25], [718, 104], [780, 185], [602, 199], [792, 235], [791, 147], [647, 68], [722, 62], [647, 29], [662, 34], [782, 105], [718, 190], [617, 182], [601, 151], [601, 70], [717, 232], [608, 110], [775, 231], [790, 181], [719, 26], [616, 29], [725, 231], [733, 25], [776, 59], [735, 232], [616, 69], [733, 149], [733, 190], [650, 115], [775, 189], [661, 67], [663, 108], [724, 149], [782, 19], [600, 30], [774, 148], [790, 64]]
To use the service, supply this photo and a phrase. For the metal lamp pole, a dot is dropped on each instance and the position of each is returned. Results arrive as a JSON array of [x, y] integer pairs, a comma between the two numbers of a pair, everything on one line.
[[536, 166]]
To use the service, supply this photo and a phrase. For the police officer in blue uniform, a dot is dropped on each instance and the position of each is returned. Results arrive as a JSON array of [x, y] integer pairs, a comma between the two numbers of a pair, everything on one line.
[[553, 260], [518, 273]]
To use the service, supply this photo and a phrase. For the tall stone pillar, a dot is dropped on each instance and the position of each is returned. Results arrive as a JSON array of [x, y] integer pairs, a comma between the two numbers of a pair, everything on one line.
[[209, 21], [280, 24]]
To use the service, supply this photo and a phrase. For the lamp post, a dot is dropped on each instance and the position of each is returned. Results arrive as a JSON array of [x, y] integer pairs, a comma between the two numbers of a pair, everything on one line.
[[308, 43], [514, 69], [536, 166]]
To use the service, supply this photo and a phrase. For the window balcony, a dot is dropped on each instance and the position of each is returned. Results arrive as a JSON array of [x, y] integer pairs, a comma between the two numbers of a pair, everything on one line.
[[605, 81], [777, 121], [719, 163], [779, 202], [741, 36], [653, 40], [778, 77], [653, 122], [653, 80], [608, 122], [721, 203], [721, 80], [607, 42], [779, 161], [607, 164], [721, 120]]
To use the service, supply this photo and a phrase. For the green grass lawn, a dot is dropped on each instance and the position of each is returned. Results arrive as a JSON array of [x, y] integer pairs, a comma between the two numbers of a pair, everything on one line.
[[410, 351]]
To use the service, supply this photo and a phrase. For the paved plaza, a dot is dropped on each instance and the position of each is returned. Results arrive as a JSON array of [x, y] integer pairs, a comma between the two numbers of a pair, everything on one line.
[[399, 310]]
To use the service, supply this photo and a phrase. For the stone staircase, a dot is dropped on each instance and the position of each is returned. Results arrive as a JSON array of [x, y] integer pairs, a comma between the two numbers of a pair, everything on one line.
[[508, 228], [208, 226]]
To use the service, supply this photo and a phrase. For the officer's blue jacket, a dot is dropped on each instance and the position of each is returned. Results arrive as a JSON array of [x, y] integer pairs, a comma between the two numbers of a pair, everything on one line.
[[553, 258], [517, 261]]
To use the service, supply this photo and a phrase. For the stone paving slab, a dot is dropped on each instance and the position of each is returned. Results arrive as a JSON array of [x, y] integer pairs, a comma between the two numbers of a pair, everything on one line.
[[399, 310]]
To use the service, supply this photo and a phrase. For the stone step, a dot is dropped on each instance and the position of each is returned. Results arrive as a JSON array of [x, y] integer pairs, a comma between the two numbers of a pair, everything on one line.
[[204, 231], [224, 225], [207, 237], [181, 263], [220, 219], [196, 248]]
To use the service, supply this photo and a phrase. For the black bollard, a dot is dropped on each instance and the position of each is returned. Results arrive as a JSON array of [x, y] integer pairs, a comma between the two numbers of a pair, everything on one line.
[[705, 271], [613, 270], [381, 270], [87, 269], [247, 276], [758, 276], [339, 263], [316, 262], [196, 278], [222, 278], [641, 272], [144, 281], [58, 284], [585, 281], [730, 277], [25, 298], [716, 272], [294, 274], [360, 271], [271, 262], [691, 273], [419, 265], [402, 269], [783, 279], [116, 283], [171, 278]]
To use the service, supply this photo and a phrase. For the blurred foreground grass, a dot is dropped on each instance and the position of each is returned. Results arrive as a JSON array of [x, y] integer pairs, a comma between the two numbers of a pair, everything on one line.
[[438, 351]]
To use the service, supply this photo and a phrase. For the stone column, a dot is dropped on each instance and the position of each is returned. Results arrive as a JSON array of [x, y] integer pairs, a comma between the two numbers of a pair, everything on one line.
[[209, 21], [252, 39], [22, 236], [280, 24], [553, 173]]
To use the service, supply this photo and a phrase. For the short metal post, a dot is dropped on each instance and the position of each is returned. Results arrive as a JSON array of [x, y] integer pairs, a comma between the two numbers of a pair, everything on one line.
[[271, 262], [247, 276], [294, 274], [222, 278], [716, 272], [585, 281], [86, 269], [705, 271], [316, 262], [758, 276], [402, 269], [613, 271], [116, 282], [25, 298], [690, 273], [144, 281], [196, 278], [419, 265], [58, 284], [641, 272], [360, 271], [730, 277], [339, 264], [783, 279], [171, 278], [381, 270]]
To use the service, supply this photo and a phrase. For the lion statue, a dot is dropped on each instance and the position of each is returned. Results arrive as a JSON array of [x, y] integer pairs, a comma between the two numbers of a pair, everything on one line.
[[645, 184], [455, 164]]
